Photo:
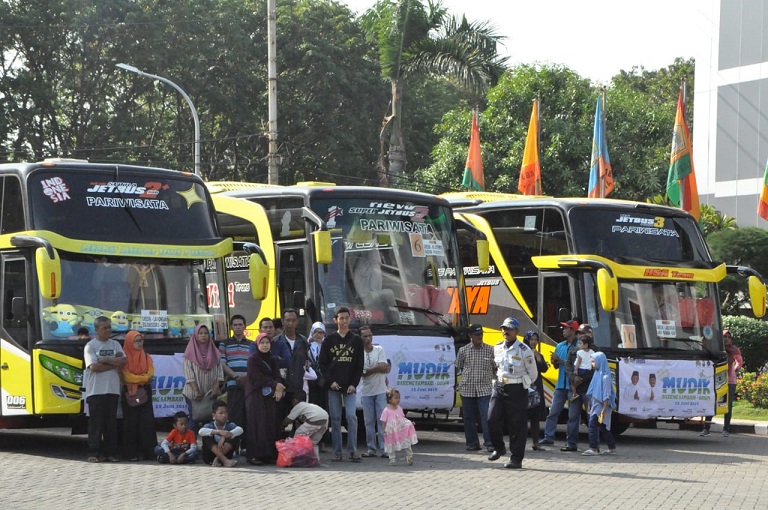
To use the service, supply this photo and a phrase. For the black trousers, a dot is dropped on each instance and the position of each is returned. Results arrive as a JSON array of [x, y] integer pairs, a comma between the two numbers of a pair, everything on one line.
[[511, 407], [102, 425]]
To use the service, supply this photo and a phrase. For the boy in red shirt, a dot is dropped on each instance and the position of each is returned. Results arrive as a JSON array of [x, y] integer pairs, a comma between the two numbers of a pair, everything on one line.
[[180, 447]]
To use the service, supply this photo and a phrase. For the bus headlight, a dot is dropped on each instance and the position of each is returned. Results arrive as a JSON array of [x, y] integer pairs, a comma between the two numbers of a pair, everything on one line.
[[62, 370]]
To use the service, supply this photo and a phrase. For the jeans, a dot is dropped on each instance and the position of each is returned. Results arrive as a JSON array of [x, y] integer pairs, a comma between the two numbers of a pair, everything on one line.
[[727, 417], [596, 430], [372, 409], [574, 420], [335, 399], [558, 403], [472, 407]]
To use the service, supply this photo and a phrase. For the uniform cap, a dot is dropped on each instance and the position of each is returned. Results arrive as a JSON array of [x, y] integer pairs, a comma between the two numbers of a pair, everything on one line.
[[570, 324], [509, 323]]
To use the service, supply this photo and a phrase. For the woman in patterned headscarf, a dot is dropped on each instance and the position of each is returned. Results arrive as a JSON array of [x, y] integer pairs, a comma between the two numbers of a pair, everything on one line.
[[202, 369], [139, 439]]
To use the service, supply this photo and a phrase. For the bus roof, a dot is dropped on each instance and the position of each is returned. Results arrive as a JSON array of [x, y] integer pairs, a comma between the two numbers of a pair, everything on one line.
[[321, 190], [500, 201], [81, 164]]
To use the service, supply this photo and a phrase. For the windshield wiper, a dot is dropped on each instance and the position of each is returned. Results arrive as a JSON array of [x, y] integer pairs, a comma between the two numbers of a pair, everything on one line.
[[427, 311]]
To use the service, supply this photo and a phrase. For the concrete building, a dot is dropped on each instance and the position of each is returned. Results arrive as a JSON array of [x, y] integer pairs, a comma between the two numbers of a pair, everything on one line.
[[730, 131]]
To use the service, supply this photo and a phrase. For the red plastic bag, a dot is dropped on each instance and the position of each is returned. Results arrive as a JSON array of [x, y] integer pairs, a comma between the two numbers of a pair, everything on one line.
[[296, 452]]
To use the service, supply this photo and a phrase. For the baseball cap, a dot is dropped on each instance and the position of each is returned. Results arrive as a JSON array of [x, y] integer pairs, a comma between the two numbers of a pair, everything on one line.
[[570, 324], [509, 323], [475, 328]]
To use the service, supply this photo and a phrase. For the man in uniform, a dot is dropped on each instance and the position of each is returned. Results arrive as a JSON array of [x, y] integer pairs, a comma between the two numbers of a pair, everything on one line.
[[509, 401]]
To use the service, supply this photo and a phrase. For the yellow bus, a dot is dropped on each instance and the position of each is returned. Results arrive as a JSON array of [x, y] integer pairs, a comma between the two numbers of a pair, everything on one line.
[[80, 240], [639, 274], [391, 256]]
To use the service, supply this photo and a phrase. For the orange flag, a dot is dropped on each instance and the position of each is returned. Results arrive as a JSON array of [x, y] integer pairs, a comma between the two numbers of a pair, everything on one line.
[[530, 171], [473, 171], [762, 205], [681, 180]]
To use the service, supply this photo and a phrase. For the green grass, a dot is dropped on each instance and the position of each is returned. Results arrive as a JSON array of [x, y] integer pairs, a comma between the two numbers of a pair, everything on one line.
[[743, 410]]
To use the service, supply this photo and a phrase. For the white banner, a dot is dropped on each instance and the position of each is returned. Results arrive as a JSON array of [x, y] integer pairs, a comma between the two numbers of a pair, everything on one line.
[[651, 388], [168, 384], [422, 370]]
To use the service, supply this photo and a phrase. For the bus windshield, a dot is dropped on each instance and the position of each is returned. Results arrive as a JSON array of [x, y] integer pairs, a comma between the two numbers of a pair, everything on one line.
[[162, 298], [680, 316], [393, 262], [618, 235], [129, 206]]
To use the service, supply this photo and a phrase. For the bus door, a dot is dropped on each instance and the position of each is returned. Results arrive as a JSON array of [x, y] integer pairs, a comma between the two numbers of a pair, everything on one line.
[[292, 282], [557, 293], [15, 359]]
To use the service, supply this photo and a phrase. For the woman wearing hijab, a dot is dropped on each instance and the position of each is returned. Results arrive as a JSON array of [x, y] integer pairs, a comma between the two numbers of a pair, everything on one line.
[[139, 439], [262, 392], [602, 402], [535, 414], [202, 369], [318, 392]]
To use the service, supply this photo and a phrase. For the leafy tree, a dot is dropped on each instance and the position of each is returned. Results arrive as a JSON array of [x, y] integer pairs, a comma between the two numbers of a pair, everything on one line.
[[712, 221], [741, 247], [751, 336], [417, 41]]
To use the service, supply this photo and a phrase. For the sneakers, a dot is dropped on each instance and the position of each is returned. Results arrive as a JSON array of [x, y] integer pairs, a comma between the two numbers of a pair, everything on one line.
[[609, 451], [546, 442], [392, 461], [704, 433], [568, 448], [409, 460], [726, 433], [590, 452]]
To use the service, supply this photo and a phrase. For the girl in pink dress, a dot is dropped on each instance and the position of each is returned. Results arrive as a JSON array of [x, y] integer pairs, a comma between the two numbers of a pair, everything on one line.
[[399, 433]]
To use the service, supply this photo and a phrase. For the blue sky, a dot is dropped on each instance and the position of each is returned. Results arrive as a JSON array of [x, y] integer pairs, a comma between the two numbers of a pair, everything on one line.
[[596, 38]]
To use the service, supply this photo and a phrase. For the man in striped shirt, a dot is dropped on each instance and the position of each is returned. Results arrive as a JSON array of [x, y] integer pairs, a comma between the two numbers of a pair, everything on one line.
[[234, 362], [475, 363]]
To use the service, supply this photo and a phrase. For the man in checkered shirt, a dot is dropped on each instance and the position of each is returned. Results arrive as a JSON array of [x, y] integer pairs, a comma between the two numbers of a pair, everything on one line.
[[475, 363]]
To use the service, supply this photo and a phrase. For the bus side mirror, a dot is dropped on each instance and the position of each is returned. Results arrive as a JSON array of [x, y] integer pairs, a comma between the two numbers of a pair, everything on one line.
[[757, 296], [258, 274], [322, 242], [608, 290], [48, 273], [483, 255]]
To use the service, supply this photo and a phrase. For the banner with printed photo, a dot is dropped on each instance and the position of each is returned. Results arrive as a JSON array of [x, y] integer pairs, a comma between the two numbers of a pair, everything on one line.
[[651, 388], [168, 384], [422, 370]]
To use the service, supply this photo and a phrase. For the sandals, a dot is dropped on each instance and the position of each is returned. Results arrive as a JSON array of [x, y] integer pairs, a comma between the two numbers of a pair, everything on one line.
[[368, 455], [255, 462], [93, 459]]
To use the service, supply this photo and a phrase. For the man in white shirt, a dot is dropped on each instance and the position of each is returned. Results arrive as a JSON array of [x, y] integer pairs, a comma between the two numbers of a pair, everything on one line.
[[373, 392], [103, 358]]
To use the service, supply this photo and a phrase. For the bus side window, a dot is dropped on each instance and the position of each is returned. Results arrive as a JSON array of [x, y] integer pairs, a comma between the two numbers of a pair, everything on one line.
[[12, 219]]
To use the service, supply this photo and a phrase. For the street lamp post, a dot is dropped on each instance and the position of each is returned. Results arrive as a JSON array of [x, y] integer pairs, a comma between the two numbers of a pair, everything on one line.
[[133, 69]]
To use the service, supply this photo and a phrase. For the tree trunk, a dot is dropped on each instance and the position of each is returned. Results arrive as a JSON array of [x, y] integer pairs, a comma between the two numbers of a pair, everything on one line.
[[396, 153]]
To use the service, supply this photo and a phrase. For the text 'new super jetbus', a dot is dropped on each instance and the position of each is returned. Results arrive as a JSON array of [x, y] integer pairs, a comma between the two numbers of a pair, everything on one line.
[[639, 274], [78, 241]]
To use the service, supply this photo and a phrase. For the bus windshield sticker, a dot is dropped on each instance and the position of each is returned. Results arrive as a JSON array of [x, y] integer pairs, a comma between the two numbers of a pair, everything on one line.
[[666, 329], [530, 222], [330, 218], [628, 224], [417, 245], [154, 320], [55, 189]]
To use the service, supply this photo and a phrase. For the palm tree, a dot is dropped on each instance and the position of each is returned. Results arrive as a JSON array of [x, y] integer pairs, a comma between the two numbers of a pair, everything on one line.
[[418, 41]]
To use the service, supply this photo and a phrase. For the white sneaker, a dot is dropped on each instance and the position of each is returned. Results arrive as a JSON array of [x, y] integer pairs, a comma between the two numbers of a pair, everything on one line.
[[726, 433], [704, 433], [590, 452], [608, 452]]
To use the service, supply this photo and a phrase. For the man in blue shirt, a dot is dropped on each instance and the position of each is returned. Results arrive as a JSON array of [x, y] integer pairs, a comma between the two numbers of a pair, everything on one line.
[[562, 388]]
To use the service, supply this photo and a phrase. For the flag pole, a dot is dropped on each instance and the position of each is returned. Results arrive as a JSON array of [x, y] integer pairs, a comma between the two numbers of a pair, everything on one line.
[[683, 92], [602, 122], [537, 102]]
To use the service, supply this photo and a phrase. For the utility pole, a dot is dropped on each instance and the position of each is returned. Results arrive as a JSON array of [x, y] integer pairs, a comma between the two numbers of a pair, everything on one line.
[[273, 158]]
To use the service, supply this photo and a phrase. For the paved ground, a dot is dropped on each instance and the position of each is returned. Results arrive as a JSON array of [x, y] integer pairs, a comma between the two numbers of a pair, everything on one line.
[[655, 468]]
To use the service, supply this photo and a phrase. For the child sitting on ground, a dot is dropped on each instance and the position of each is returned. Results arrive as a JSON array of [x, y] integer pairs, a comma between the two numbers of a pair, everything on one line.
[[399, 432], [313, 418], [180, 447], [582, 366], [221, 438]]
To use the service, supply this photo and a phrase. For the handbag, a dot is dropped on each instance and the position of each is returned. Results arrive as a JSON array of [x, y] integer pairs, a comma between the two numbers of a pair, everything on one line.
[[534, 399], [202, 410], [138, 398]]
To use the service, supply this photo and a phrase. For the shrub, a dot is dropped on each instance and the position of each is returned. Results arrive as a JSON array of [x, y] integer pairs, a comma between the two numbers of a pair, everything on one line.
[[753, 388], [751, 336]]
